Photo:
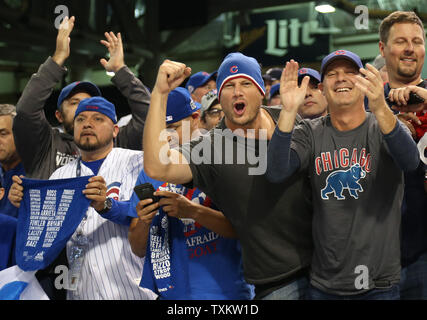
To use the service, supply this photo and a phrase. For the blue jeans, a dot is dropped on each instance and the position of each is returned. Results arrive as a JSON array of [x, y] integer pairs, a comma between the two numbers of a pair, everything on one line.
[[295, 290], [390, 293], [413, 280]]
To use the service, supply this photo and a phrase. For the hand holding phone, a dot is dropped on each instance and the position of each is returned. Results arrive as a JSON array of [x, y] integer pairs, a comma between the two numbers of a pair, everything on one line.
[[145, 191]]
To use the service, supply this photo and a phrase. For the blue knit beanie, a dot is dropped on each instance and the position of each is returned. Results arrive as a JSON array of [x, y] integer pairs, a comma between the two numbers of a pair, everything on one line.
[[237, 65]]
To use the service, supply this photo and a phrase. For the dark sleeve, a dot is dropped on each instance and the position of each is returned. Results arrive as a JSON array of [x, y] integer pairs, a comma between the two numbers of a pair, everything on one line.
[[402, 148], [282, 161], [138, 96], [118, 213], [31, 130]]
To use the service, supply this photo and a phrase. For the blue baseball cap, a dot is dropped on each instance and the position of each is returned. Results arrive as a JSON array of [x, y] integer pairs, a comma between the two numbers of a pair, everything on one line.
[[274, 90], [78, 86], [340, 54], [237, 65], [313, 74], [199, 79], [180, 105], [97, 104]]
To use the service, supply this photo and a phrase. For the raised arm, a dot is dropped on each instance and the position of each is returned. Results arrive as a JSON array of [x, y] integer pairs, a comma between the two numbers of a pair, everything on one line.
[[32, 131], [400, 143], [282, 161], [160, 162], [137, 95]]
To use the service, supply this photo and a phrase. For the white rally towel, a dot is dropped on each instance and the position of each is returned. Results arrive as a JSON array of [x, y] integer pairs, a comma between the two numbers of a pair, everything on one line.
[[16, 284]]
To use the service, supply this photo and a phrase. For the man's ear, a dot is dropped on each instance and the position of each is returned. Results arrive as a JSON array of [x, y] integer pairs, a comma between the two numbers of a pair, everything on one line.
[[1, 193], [58, 115], [381, 45], [320, 87], [196, 114], [115, 130], [195, 119]]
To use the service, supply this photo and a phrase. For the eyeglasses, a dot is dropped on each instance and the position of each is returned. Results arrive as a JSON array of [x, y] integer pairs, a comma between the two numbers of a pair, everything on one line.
[[214, 112]]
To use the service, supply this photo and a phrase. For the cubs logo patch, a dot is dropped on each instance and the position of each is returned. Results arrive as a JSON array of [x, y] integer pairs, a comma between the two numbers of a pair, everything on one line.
[[113, 190], [234, 69], [339, 180], [339, 52]]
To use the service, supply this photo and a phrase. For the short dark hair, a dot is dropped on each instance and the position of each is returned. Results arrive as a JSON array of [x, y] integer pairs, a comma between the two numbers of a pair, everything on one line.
[[398, 17]]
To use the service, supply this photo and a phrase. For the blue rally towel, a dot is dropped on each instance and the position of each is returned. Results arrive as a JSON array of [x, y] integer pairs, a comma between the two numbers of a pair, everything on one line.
[[165, 265], [50, 212]]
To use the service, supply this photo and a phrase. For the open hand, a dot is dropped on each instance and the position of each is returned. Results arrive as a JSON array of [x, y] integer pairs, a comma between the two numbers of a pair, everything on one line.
[[292, 95], [114, 45], [63, 40]]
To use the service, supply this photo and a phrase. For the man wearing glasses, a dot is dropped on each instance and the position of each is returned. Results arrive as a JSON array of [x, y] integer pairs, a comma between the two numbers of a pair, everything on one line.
[[211, 111]]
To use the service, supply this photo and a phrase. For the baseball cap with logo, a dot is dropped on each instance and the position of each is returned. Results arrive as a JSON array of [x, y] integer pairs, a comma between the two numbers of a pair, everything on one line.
[[339, 54], [313, 74], [237, 65], [180, 105], [97, 104], [208, 100], [199, 79], [78, 86]]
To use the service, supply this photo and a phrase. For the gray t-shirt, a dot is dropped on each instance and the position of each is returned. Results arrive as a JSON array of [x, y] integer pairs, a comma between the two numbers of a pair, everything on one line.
[[272, 221], [357, 196]]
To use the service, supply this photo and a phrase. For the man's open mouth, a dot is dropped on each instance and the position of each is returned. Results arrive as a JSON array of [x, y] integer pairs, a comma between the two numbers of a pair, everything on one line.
[[239, 107]]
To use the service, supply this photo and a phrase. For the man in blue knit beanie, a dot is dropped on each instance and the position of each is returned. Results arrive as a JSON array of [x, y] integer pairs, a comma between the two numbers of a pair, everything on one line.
[[274, 228]]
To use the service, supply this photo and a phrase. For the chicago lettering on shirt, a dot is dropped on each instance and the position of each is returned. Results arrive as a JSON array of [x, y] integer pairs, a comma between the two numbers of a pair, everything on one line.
[[342, 158]]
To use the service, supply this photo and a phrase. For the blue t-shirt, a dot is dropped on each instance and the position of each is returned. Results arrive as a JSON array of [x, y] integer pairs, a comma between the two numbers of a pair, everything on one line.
[[94, 165], [6, 181], [199, 263]]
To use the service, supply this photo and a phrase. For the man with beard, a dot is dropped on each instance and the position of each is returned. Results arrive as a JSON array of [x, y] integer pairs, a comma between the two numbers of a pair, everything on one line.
[[109, 268], [43, 148], [402, 44]]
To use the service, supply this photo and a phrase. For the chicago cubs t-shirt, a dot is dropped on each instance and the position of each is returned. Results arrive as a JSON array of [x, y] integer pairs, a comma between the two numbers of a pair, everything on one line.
[[357, 195], [184, 260]]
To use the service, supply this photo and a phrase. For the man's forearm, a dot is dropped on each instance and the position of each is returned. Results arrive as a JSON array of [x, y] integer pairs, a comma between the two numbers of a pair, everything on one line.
[[287, 120], [386, 119], [138, 97], [156, 123], [213, 220], [118, 213], [31, 130], [39, 88], [282, 161], [138, 237], [402, 148]]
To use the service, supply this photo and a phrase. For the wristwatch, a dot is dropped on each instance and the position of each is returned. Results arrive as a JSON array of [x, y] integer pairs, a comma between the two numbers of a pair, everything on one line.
[[108, 204]]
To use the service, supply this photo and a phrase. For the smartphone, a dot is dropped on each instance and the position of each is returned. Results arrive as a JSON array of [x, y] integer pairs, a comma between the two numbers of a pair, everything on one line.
[[413, 99], [145, 191]]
